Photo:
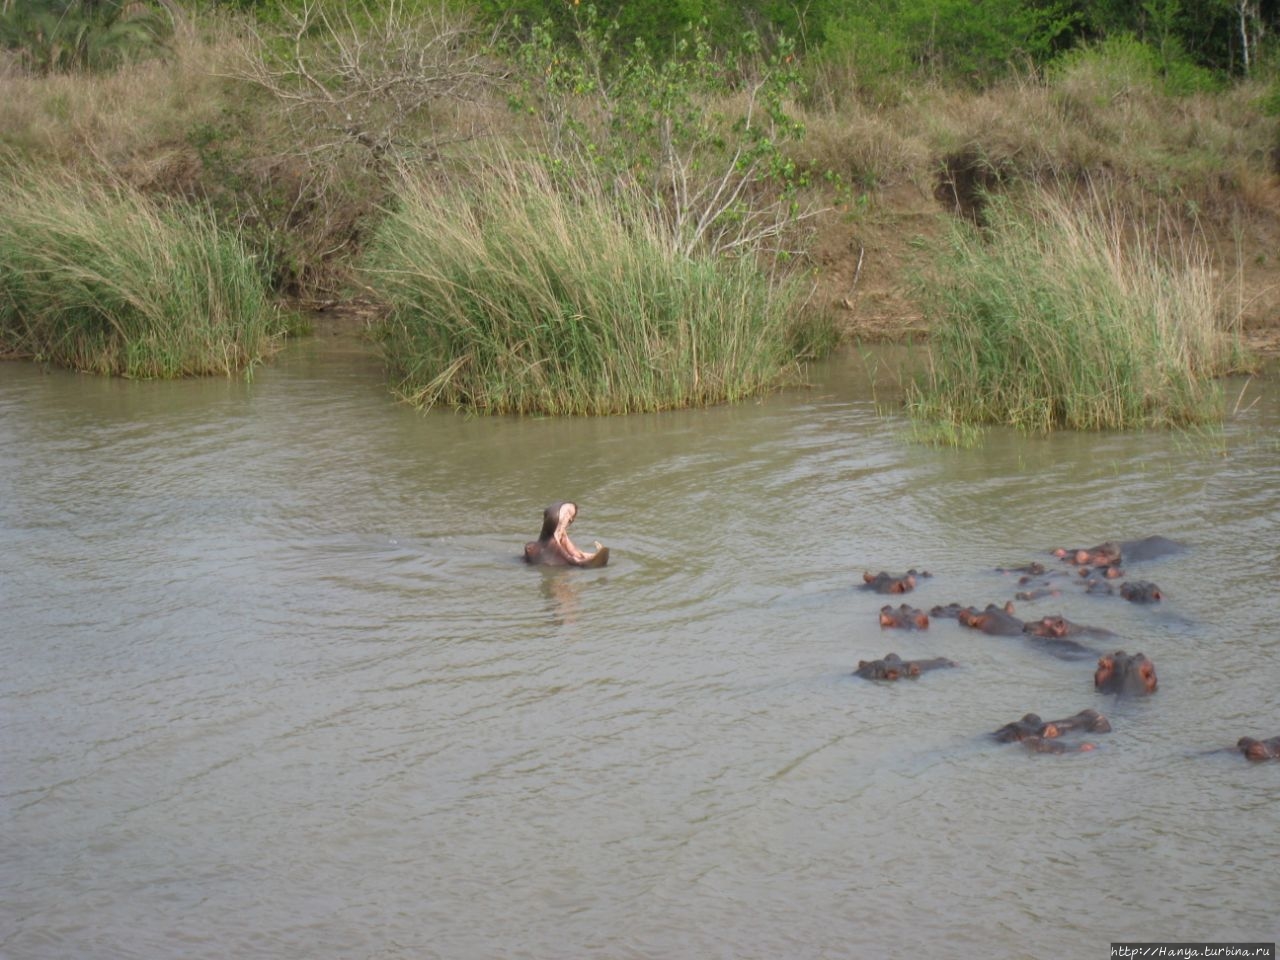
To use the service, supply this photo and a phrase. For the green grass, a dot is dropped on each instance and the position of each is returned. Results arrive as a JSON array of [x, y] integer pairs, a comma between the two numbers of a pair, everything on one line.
[[515, 295], [100, 278], [1064, 314]]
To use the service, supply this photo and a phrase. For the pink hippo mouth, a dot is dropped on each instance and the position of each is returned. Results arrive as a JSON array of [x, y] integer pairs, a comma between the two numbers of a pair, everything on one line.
[[571, 552]]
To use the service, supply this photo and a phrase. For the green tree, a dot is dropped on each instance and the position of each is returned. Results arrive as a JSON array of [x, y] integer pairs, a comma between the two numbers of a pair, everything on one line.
[[947, 40], [54, 36]]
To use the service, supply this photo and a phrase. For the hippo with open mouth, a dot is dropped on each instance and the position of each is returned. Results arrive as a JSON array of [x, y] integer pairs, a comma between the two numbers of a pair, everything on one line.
[[553, 546]]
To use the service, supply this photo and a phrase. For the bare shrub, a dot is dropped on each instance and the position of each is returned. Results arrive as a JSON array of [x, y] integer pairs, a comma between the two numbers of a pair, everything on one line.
[[372, 76]]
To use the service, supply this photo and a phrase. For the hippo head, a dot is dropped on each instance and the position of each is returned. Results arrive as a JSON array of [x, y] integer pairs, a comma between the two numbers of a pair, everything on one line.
[[1259, 749], [1103, 555], [1141, 591], [553, 545], [1031, 726], [883, 582], [1124, 674], [892, 667], [905, 616], [1052, 626]]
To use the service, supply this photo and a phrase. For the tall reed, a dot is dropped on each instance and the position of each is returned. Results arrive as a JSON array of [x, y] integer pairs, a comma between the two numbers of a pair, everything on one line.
[[100, 278], [517, 294], [1065, 313]]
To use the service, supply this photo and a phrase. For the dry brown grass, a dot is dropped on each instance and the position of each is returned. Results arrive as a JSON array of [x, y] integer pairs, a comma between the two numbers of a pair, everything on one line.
[[1091, 118], [865, 147], [137, 114]]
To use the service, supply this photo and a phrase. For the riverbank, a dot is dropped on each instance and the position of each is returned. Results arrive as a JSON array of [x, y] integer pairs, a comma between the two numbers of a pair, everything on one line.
[[893, 169], [865, 268]]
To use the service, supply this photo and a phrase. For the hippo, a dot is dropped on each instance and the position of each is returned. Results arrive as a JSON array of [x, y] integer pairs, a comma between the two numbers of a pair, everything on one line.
[[1103, 555], [1106, 573], [994, 620], [1033, 569], [1051, 634], [1029, 726], [1054, 633], [1150, 548], [1259, 749], [1121, 673], [1037, 593], [892, 667], [1090, 721], [1141, 591], [887, 583], [905, 617], [1099, 587], [1111, 552], [1057, 625], [553, 546], [1036, 581]]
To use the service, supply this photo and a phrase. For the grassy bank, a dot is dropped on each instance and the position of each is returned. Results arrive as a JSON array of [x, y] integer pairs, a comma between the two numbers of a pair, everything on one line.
[[298, 144], [1063, 313], [99, 278], [515, 295]]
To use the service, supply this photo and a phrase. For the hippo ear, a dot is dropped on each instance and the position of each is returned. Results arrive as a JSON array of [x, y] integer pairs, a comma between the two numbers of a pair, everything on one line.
[[863, 663]]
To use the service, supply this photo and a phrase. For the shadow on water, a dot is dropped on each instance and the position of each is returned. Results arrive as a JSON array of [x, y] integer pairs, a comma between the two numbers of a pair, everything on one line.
[[279, 684]]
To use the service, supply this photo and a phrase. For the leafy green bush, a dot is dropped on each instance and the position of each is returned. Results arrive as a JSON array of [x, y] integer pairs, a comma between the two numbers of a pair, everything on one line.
[[654, 23], [952, 41], [1121, 65], [861, 59]]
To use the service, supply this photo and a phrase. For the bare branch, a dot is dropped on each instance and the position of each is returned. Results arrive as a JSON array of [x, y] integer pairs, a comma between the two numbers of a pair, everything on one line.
[[372, 77]]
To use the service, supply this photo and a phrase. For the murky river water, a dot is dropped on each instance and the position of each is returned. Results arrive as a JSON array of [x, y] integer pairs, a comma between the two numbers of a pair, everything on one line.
[[276, 685]]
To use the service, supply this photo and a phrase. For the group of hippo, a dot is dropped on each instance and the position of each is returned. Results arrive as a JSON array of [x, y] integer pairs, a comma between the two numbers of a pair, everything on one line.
[[1119, 672], [1096, 568]]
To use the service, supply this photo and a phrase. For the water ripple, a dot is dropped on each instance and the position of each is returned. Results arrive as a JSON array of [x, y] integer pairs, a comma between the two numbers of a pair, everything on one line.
[[279, 685]]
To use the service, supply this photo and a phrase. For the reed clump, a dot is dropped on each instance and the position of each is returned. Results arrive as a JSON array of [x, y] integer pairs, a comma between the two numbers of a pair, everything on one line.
[[520, 294], [1067, 313], [100, 278]]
